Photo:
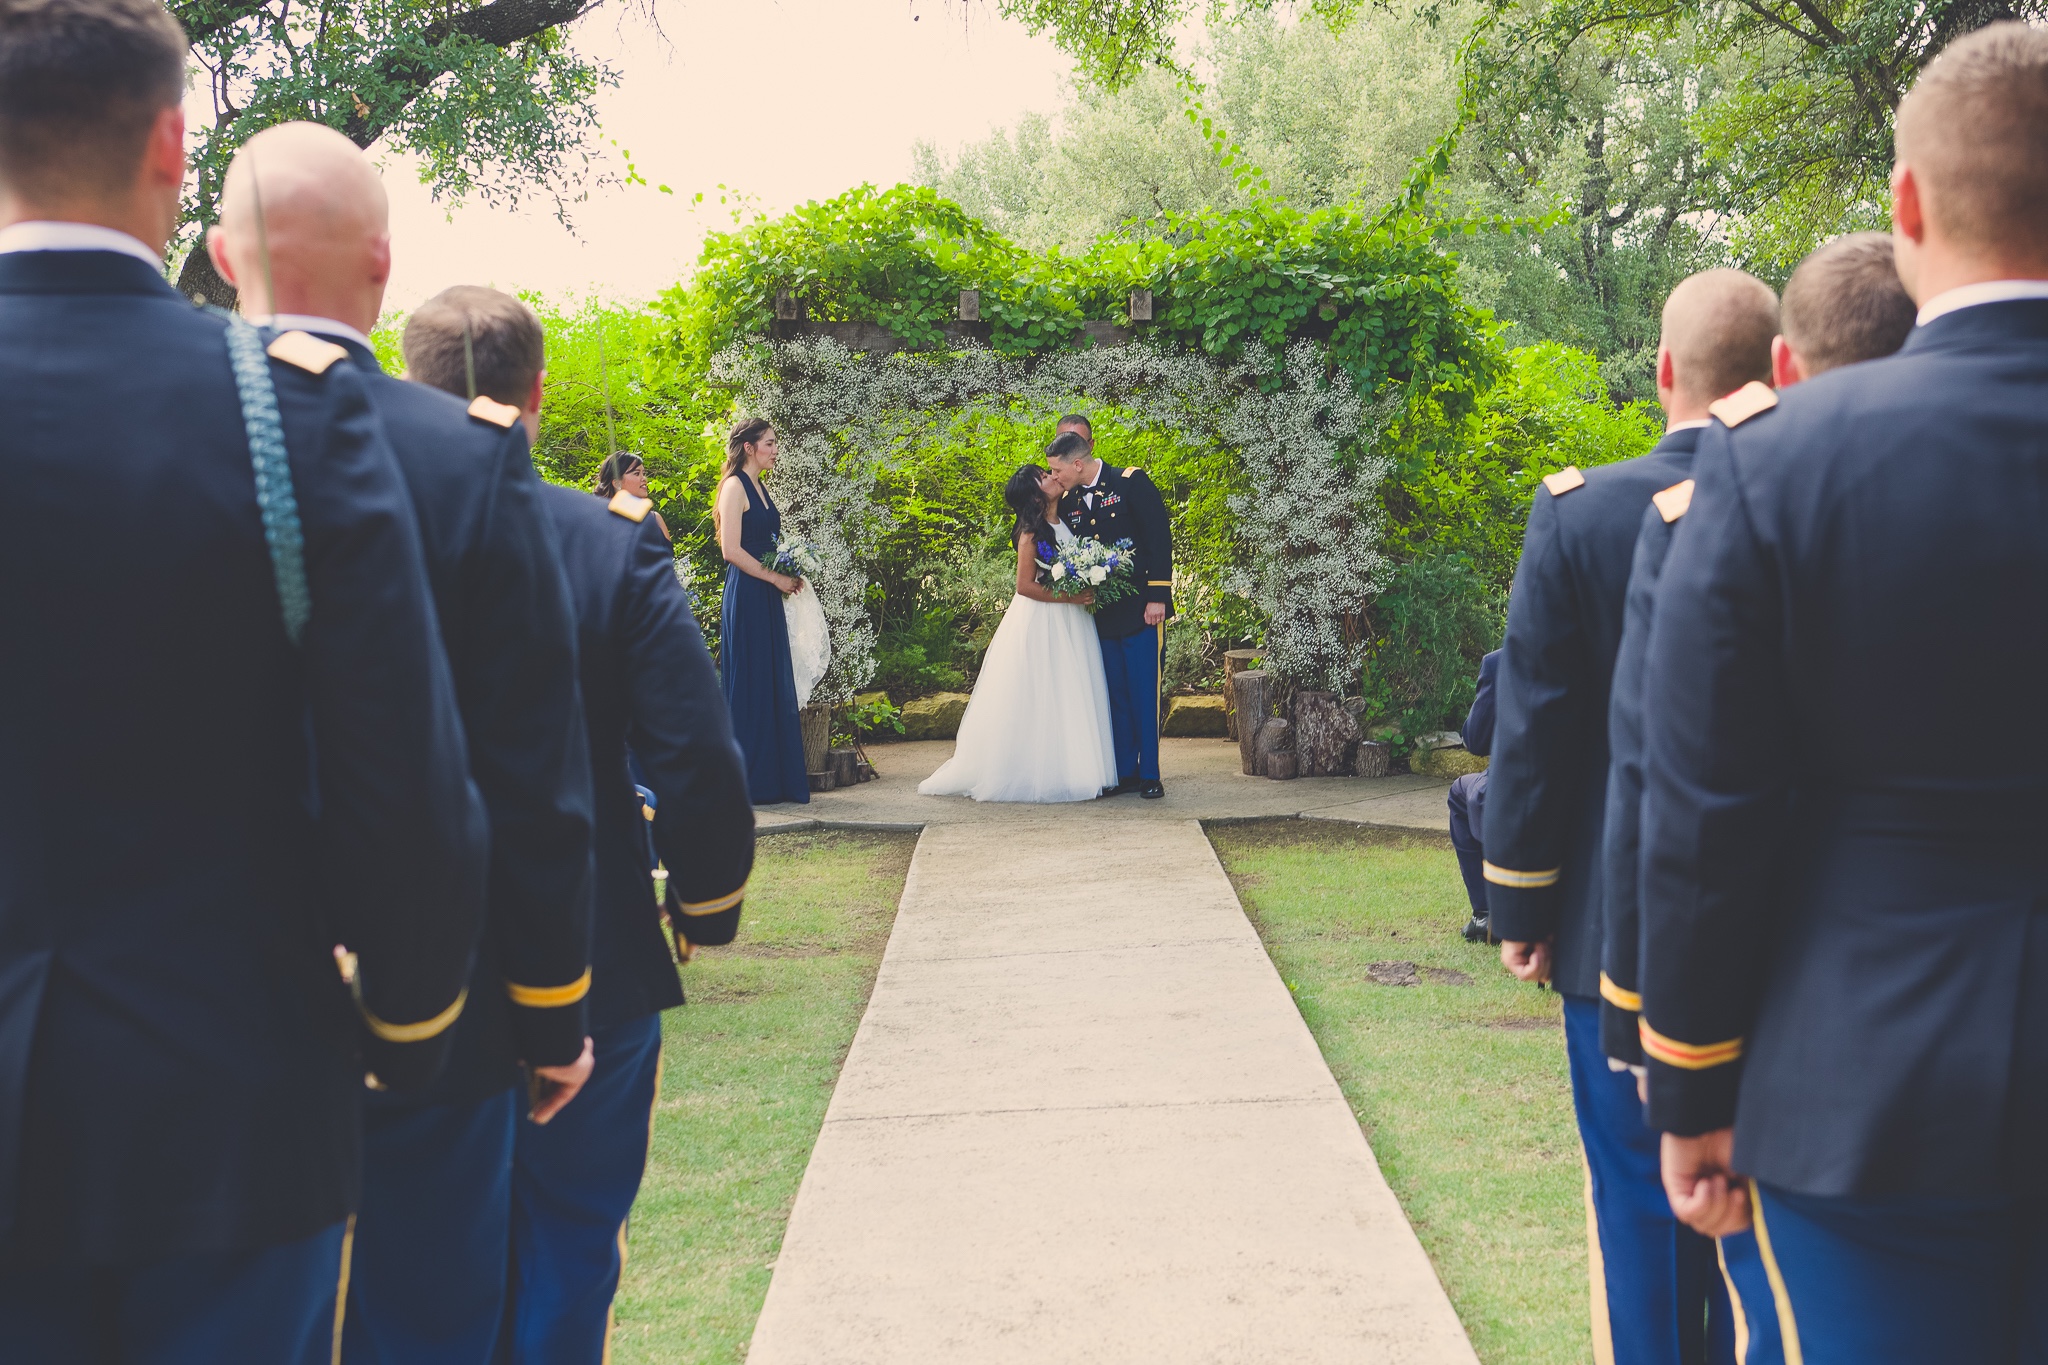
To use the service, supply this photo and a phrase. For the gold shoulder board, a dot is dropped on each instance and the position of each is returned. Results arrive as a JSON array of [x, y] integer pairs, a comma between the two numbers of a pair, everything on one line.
[[630, 507], [307, 352], [1563, 481], [1743, 404], [1130, 470], [1672, 502], [492, 411]]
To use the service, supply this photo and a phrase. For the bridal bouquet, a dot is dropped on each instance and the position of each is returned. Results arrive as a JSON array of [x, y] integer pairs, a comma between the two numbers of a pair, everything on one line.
[[1085, 564], [795, 556]]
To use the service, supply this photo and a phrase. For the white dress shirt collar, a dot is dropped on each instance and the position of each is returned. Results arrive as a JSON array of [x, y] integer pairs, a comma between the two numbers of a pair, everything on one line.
[[1694, 425], [43, 235], [327, 327], [1970, 295]]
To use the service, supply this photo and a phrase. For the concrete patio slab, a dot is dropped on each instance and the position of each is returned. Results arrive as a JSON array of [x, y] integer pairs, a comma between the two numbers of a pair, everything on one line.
[[1203, 782], [1082, 1121]]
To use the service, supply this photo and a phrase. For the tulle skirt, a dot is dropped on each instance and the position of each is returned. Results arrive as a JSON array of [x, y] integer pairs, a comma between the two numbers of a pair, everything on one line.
[[1037, 727]]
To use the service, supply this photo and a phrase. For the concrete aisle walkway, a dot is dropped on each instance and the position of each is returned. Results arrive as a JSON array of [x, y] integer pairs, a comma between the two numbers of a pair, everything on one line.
[[1082, 1121]]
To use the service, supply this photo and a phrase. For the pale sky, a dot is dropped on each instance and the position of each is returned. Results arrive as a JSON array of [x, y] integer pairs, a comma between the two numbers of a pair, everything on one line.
[[783, 100]]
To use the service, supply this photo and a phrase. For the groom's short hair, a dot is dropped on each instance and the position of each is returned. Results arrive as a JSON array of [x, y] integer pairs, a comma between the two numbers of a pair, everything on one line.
[[1974, 128], [1068, 445]]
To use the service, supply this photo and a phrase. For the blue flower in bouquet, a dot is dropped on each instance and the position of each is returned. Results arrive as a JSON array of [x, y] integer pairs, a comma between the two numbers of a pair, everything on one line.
[[1089, 565], [793, 555]]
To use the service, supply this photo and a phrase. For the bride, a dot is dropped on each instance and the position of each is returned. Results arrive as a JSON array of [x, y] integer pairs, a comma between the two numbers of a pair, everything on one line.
[[1037, 727]]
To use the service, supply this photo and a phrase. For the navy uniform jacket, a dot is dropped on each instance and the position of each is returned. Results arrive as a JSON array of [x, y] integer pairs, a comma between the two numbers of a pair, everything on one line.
[[1621, 999], [511, 641], [648, 682], [1845, 943], [1127, 506], [193, 812], [1546, 782], [1478, 731]]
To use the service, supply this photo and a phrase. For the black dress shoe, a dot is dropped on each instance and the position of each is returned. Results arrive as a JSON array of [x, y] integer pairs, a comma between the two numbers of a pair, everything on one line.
[[1126, 786], [1152, 790], [1477, 930]]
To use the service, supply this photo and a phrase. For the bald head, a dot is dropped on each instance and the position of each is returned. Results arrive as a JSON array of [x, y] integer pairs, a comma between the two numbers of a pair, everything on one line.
[[1972, 140], [1717, 334], [309, 198]]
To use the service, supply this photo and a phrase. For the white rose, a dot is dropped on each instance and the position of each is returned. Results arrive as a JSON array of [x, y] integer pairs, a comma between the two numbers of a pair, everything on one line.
[[1059, 571], [1097, 574]]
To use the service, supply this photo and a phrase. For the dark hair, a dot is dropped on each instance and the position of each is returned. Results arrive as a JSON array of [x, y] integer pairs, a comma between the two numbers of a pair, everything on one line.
[[1845, 303], [1075, 419], [1068, 445], [81, 84], [505, 337], [1024, 497], [616, 466], [748, 431]]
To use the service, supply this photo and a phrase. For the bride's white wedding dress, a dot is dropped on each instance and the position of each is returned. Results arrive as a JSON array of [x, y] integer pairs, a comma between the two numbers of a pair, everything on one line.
[[1037, 727]]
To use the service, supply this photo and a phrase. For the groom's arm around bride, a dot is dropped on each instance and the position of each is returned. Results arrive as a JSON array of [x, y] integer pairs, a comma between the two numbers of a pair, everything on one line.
[[1111, 505]]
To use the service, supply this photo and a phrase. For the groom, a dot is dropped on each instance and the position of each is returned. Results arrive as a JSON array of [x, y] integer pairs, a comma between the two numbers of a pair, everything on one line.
[[1111, 505]]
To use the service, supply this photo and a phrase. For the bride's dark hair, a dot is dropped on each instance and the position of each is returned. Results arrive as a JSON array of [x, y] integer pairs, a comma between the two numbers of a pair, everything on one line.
[[1023, 497]]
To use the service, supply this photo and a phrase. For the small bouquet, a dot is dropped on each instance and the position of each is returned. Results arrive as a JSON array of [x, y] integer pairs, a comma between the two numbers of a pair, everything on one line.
[[795, 556], [1085, 564]]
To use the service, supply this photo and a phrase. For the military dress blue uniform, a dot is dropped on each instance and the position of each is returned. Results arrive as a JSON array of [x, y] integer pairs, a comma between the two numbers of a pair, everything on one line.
[[1845, 922], [1758, 1340], [1546, 798], [432, 1241], [181, 1064], [1467, 796], [647, 681], [1124, 504]]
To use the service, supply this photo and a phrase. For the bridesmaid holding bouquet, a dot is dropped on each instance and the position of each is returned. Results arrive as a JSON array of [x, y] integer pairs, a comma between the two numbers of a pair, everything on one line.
[[753, 650]]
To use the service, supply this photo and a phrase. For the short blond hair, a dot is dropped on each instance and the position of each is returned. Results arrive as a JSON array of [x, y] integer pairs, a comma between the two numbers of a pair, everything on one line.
[[1718, 326], [1974, 129]]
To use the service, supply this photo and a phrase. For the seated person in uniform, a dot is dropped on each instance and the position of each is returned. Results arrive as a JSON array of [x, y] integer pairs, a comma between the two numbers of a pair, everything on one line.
[[1467, 799]]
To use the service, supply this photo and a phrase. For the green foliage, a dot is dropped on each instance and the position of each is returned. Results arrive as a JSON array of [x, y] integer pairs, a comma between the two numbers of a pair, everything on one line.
[[1381, 294], [1429, 629], [490, 97], [869, 713], [1469, 495]]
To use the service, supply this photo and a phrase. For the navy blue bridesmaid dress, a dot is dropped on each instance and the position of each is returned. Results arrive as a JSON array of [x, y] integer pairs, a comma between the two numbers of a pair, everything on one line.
[[753, 665]]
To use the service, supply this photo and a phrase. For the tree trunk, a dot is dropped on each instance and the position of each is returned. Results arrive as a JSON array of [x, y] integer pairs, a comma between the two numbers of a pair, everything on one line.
[[1325, 736], [1276, 741], [1249, 690], [1235, 661], [198, 279]]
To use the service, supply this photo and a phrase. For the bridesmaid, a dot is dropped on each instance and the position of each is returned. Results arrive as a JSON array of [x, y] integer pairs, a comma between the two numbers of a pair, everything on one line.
[[624, 473], [753, 648]]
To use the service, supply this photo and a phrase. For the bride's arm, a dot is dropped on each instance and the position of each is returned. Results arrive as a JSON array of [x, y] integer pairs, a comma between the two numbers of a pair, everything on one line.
[[1027, 575]]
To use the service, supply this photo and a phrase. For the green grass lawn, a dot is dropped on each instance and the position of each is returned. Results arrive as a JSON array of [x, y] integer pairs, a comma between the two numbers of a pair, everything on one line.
[[1459, 1084], [747, 1069]]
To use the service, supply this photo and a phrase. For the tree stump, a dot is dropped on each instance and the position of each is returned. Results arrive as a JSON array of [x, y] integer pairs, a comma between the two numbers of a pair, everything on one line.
[[1280, 767], [1276, 737], [1251, 693], [1374, 759], [1235, 661], [845, 767], [1325, 736], [815, 721]]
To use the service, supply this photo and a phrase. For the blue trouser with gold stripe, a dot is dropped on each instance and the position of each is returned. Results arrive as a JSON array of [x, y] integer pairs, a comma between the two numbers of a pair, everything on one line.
[[433, 1237], [1658, 1297], [1868, 1281], [1130, 665], [273, 1305], [573, 1183]]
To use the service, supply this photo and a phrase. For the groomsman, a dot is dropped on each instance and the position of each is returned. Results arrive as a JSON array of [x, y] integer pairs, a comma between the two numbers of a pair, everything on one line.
[[1655, 1285], [1843, 304], [648, 681], [427, 1274], [181, 1063], [1845, 956], [1110, 505]]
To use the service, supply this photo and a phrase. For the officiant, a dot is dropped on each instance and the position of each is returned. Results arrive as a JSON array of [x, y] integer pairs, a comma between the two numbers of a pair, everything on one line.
[[1111, 505]]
